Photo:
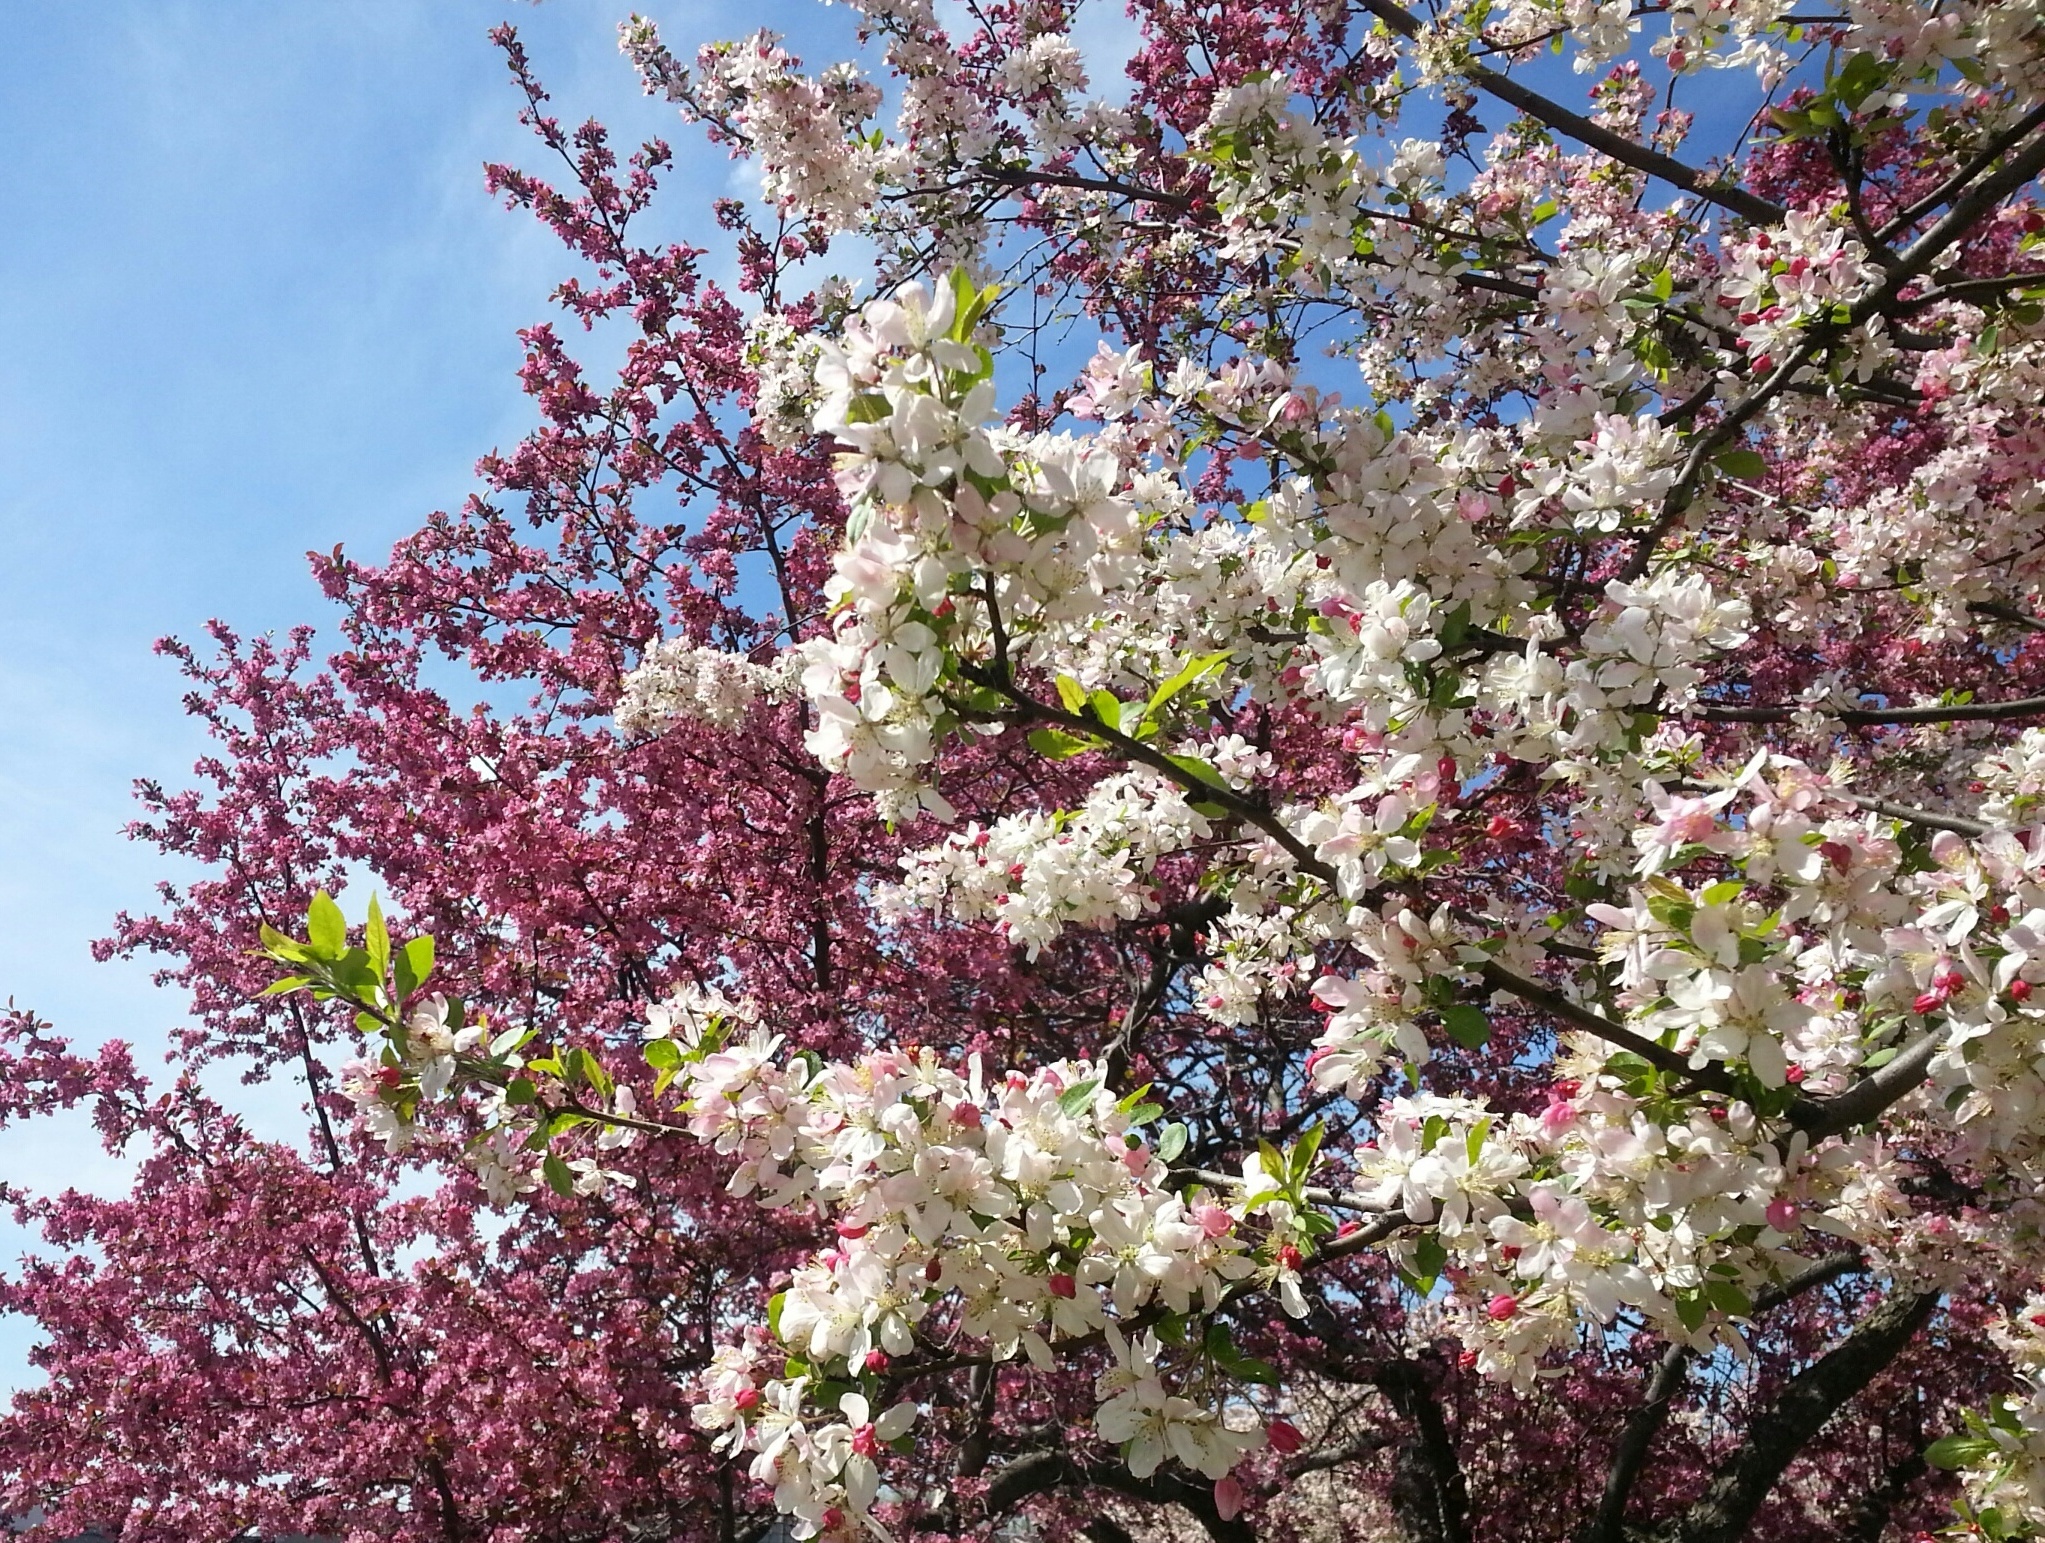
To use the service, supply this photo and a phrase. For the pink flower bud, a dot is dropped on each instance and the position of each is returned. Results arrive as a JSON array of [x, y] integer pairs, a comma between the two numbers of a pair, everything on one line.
[[852, 1230], [1284, 1437], [1136, 1160], [1927, 1002], [865, 1442], [746, 1398], [1228, 1498], [1782, 1214], [966, 1114], [876, 1361], [1289, 1257], [1502, 1306], [1063, 1286], [2020, 991], [1214, 1221]]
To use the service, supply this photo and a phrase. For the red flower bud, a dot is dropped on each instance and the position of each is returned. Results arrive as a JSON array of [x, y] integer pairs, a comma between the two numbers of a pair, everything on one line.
[[1284, 1437], [1063, 1286], [1502, 1306]]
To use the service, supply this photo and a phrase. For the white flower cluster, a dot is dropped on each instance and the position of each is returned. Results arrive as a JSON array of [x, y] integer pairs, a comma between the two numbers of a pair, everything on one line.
[[1013, 1214], [1035, 874], [1542, 1223], [677, 680]]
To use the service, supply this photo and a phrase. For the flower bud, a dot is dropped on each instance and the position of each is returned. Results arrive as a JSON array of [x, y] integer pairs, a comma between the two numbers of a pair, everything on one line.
[[1284, 1437], [1063, 1286], [1502, 1306], [1228, 1498]]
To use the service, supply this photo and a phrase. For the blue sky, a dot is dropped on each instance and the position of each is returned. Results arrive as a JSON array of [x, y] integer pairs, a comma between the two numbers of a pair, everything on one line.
[[254, 302]]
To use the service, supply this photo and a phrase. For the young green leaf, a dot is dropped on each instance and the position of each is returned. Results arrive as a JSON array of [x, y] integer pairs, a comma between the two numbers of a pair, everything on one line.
[[325, 928]]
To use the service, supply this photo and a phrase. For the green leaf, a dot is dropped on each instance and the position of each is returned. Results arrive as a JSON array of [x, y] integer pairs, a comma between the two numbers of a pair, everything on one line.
[[1859, 79], [1143, 1114], [1198, 770], [1303, 1152], [281, 947], [1071, 693], [520, 1092], [1468, 1026], [774, 1306], [325, 928], [1738, 461], [559, 1179], [1077, 1099], [1958, 1451], [288, 983], [1250, 1369], [1727, 1297], [1692, 1311], [1454, 627], [413, 966], [1430, 1256], [376, 939], [1196, 668], [663, 1054], [1057, 745], [584, 1067], [1171, 1142], [1720, 893], [1107, 709], [1663, 285]]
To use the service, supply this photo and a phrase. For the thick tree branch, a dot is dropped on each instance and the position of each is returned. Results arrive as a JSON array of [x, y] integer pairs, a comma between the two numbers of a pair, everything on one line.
[[1958, 712], [1779, 1433], [1037, 1473], [1629, 1455], [1428, 1493]]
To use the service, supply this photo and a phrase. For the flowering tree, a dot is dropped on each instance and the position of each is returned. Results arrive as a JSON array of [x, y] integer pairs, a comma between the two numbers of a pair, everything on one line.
[[1405, 904]]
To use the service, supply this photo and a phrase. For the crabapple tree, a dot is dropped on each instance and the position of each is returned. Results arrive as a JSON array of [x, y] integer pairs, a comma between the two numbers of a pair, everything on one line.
[[1290, 788]]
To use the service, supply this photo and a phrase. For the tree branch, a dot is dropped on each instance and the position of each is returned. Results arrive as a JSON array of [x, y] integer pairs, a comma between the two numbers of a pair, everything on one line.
[[1616, 147], [1428, 1493], [1812, 1397], [1958, 712]]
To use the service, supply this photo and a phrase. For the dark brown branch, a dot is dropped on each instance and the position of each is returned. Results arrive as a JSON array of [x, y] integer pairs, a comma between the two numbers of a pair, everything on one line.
[[1875, 1092], [1959, 712], [1994, 152], [1930, 819], [1647, 1419], [1601, 139], [1812, 1397], [1428, 1494], [1035, 1473]]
